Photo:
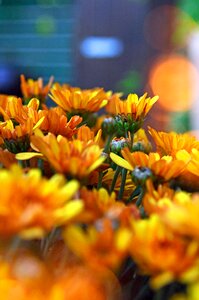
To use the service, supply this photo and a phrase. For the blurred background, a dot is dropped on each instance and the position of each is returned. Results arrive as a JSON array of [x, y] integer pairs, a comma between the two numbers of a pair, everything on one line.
[[131, 46]]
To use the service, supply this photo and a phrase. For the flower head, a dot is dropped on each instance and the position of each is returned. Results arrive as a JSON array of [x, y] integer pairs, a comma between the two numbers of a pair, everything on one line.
[[170, 143], [58, 124], [163, 168], [34, 88], [74, 158], [131, 112], [161, 253], [76, 101], [101, 244], [16, 138], [31, 205]]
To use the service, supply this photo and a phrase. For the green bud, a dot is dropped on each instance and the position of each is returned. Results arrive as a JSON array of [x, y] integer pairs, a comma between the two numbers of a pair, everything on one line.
[[118, 144], [140, 175], [109, 126]]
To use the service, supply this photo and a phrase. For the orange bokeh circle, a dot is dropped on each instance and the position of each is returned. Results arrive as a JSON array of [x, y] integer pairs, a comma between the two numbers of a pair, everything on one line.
[[175, 79]]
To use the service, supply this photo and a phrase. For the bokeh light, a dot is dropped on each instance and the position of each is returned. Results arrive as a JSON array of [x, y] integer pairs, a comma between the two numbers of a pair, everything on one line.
[[45, 24], [175, 79]]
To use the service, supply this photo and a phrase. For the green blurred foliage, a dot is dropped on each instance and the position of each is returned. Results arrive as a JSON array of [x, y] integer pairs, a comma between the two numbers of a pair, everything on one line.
[[191, 7], [130, 83], [180, 121]]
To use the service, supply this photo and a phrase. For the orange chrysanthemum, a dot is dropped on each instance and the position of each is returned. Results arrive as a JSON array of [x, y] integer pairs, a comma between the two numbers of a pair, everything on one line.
[[156, 200], [77, 100], [7, 158], [27, 277], [160, 253], [164, 168], [98, 204], [31, 205], [4, 100], [100, 245], [135, 107], [34, 88], [16, 111], [58, 123], [74, 158], [170, 143]]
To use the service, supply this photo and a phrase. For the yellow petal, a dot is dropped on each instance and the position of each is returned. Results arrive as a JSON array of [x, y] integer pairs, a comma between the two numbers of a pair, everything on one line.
[[69, 211], [30, 233], [120, 161], [27, 155]]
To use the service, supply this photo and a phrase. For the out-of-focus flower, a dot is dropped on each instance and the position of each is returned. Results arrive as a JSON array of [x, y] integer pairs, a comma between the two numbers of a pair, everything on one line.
[[160, 253], [188, 180], [170, 143], [192, 292], [157, 199], [25, 276], [74, 158], [182, 214], [84, 283], [31, 204], [76, 101], [163, 168], [34, 88], [102, 244], [97, 203]]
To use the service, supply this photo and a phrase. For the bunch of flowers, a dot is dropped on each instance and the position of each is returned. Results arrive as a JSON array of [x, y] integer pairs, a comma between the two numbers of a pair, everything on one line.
[[88, 208]]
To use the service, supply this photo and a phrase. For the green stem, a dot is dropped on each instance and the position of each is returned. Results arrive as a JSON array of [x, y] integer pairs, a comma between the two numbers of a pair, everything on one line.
[[142, 292], [107, 146], [135, 193], [121, 191], [132, 138], [140, 197], [99, 184], [117, 172]]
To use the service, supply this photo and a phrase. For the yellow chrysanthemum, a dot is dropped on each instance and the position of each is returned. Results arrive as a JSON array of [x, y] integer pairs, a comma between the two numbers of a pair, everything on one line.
[[182, 215], [170, 143], [189, 179], [31, 205], [160, 253], [17, 138], [34, 88], [133, 106], [77, 100]]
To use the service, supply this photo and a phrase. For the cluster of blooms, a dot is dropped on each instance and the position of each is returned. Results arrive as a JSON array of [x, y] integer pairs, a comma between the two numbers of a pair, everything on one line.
[[88, 209]]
